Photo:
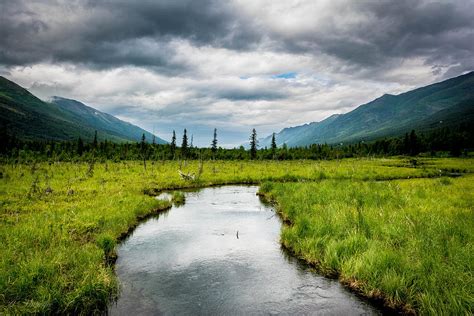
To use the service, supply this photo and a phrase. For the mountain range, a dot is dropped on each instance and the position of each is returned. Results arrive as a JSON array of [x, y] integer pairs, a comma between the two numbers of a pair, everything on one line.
[[29, 118], [444, 104]]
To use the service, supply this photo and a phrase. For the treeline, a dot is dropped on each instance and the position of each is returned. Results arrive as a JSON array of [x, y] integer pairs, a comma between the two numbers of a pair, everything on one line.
[[451, 141]]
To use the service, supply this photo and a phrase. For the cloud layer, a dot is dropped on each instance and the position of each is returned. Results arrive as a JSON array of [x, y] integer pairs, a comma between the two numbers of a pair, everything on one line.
[[236, 65]]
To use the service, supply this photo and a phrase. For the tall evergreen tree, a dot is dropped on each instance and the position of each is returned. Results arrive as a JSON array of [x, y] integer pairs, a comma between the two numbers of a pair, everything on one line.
[[94, 142], [406, 144], [143, 140], [274, 145], [143, 150], [173, 144], [4, 139], [214, 143], [80, 146], [253, 144], [184, 145], [414, 145], [143, 144]]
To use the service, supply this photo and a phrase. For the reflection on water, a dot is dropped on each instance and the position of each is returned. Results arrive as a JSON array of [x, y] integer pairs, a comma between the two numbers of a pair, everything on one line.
[[191, 262]]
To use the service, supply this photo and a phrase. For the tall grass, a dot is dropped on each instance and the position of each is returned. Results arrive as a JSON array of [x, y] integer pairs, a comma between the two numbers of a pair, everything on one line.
[[178, 198], [407, 242], [60, 222]]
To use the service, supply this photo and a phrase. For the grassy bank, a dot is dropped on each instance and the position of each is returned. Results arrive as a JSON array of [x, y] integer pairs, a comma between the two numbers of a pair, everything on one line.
[[409, 243], [60, 222]]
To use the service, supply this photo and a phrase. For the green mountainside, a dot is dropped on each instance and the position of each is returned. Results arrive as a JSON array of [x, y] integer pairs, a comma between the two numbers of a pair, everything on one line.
[[29, 118], [443, 104]]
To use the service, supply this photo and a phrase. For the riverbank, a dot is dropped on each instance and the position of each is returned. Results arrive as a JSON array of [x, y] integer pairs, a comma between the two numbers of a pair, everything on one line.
[[60, 222], [405, 243]]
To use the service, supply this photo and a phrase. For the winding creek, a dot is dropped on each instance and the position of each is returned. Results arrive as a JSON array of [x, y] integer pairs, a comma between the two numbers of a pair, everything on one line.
[[189, 261]]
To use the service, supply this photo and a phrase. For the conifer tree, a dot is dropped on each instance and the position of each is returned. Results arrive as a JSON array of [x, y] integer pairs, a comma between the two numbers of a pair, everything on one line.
[[406, 144], [173, 144], [143, 150], [142, 144], [184, 145], [274, 145], [214, 143], [94, 142], [80, 146], [414, 146], [253, 144]]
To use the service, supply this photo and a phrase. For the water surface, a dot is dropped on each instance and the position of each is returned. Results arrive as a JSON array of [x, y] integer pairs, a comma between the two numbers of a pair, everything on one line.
[[189, 261]]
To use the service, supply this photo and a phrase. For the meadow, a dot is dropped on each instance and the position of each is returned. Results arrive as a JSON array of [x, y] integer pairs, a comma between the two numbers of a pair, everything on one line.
[[396, 229]]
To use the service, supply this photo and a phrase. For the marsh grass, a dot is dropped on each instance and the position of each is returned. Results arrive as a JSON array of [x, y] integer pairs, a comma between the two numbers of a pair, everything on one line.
[[409, 243], [58, 245], [177, 198]]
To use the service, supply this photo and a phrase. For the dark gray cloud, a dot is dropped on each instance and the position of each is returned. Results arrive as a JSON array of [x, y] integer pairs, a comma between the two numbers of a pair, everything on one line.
[[386, 31], [114, 33], [239, 95], [442, 31]]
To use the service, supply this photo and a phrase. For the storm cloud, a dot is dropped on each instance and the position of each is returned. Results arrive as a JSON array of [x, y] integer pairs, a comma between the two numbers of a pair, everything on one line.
[[114, 33], [167, 65]]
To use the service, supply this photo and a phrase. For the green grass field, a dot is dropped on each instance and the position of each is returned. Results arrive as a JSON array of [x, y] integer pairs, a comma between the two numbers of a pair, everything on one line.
[[408, 241]]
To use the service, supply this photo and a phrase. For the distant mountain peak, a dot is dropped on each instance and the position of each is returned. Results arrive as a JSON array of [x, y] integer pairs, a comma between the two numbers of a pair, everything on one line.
[[333, 116], [28, 117], [390, 115]]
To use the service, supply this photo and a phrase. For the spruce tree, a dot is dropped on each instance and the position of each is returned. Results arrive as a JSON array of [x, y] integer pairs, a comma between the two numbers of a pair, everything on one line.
[[406, 144], [94, 142], [274, 145], [253, 144], [80, 146], [142, 144], [184, 145], [214, 143], [173, 144], [143, 150], [414, 146]]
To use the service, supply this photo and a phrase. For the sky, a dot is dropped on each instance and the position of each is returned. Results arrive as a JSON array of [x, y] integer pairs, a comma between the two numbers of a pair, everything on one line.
[[231, 65]]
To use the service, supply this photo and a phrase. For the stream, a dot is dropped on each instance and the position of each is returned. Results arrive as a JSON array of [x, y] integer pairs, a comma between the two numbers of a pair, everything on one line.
[[191, 261]]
